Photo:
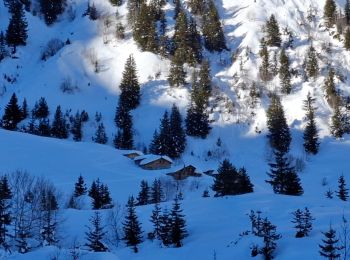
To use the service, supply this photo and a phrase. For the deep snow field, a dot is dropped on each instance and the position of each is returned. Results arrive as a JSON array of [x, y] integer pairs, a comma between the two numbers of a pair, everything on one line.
[[214, 224]]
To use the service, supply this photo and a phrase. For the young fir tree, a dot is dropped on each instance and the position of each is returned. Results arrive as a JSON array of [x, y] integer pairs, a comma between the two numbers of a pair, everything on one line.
[[143, 197], [16, 33], [283, 177], [3, 48], [178, 230], [100, 135], [76, 128], [24, 109], [311, 143], [59, 125], [270, 236], [162, 144], [165, 228], [80, 187], [49, 208], [347, 39], [100, 195], [96, 234], [41, 109], [204, 82], [177, 133], [155, 219], [131, 226], [279, 134], [213, 34], [157, 195], [51, 9], [177, 73], [229, 181], [181, 38], [311, 63], [129, 86], [329, 248], [5, 212], [273, 37], [303, 222], [123, 120], [12, 115], [337, 127], [264, 69], [284, 73], [330, 13], [343, 192]]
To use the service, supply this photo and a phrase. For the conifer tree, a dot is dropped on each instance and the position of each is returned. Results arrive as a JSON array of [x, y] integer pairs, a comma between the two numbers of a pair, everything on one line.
[[77, 128], [311, 144], [346, 39], [131, 226], [157, 195], [165, 228], [44, 128], [16, 33], [129, 86], [123, 120], [273, 37], [41, 109], [197, 6], [143, 197], [12, 115], [3, 49], [270, 236], [49, 208], [284, 73], [303, 222], [283, 177], [329, 248], [59, 125], [213, 34], [24, 109], [93, 13], [330, 13], [100, 195], [177, 73], [264, 69], [134, 7], [178, 230], [204, 82], [347, 11], [5, 212], [96, 234], [337, 127], [100, 135], [80, 187], [279, 135], [343, 192], [177, 133], [155, 219], [51, 9], [194, 42], [330, 85], [312, 68]]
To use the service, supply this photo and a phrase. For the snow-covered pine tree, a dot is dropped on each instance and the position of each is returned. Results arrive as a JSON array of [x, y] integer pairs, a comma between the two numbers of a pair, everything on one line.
[[343, 191], [311, 143], [131, 226], [59, 125], [337, 126], [264, 69], [76, 128], [157, 194], [273, 35], [270, 237], [177, 133], [96, 234], [284, 73], [41, 109], [178, 230], [329, 248], [12, 115], [330, 13], [311, 63], [143, 197], [100, 136], [177, 73], [155, 219], [80, 187]]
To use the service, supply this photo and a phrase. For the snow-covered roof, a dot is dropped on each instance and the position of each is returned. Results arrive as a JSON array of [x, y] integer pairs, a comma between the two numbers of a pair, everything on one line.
[[148, 158], [133, 152]]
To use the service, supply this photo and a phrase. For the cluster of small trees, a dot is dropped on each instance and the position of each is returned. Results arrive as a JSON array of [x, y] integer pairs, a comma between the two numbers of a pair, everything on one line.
[[150, 195]]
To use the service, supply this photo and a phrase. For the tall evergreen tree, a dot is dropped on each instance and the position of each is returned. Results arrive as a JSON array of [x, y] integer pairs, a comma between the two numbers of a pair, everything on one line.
[[80, 187], [155, 219], [337, 127], [311, 143], [143, 197], [24, 109], [51, 9], [194, 42], [59, 125], [284, 73], [157, 195], [100, 135], [129, 86], [346, 39], [283, 177], [12, 115], [131, 226], [49, 208], [311, 61], [177, 73], [16, 33], [3, 49], [177, 133], [123, 120], [213, 34], [76, 128], [41, 109], [330, 13], [165, 227], [273, 37], [343, 192], [178, 230], [197, 6], [279, 134], [96, 234], [204, 82], [5, 212], [329, 248], [264, 69]]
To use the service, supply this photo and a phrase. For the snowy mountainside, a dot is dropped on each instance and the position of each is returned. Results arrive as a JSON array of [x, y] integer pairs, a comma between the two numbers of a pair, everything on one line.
[[214, 224]]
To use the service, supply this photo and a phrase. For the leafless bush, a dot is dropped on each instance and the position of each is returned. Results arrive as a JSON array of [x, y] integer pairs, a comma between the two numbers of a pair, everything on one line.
[[52, 47], [67, 86], [114, 220]]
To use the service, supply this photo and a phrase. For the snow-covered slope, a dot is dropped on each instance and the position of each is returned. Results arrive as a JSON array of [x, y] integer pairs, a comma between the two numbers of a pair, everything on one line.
[[213, 223]]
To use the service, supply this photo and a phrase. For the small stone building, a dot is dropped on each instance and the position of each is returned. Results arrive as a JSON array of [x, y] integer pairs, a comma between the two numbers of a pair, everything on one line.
[[185, 172], [153, 162], [133, 154]]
